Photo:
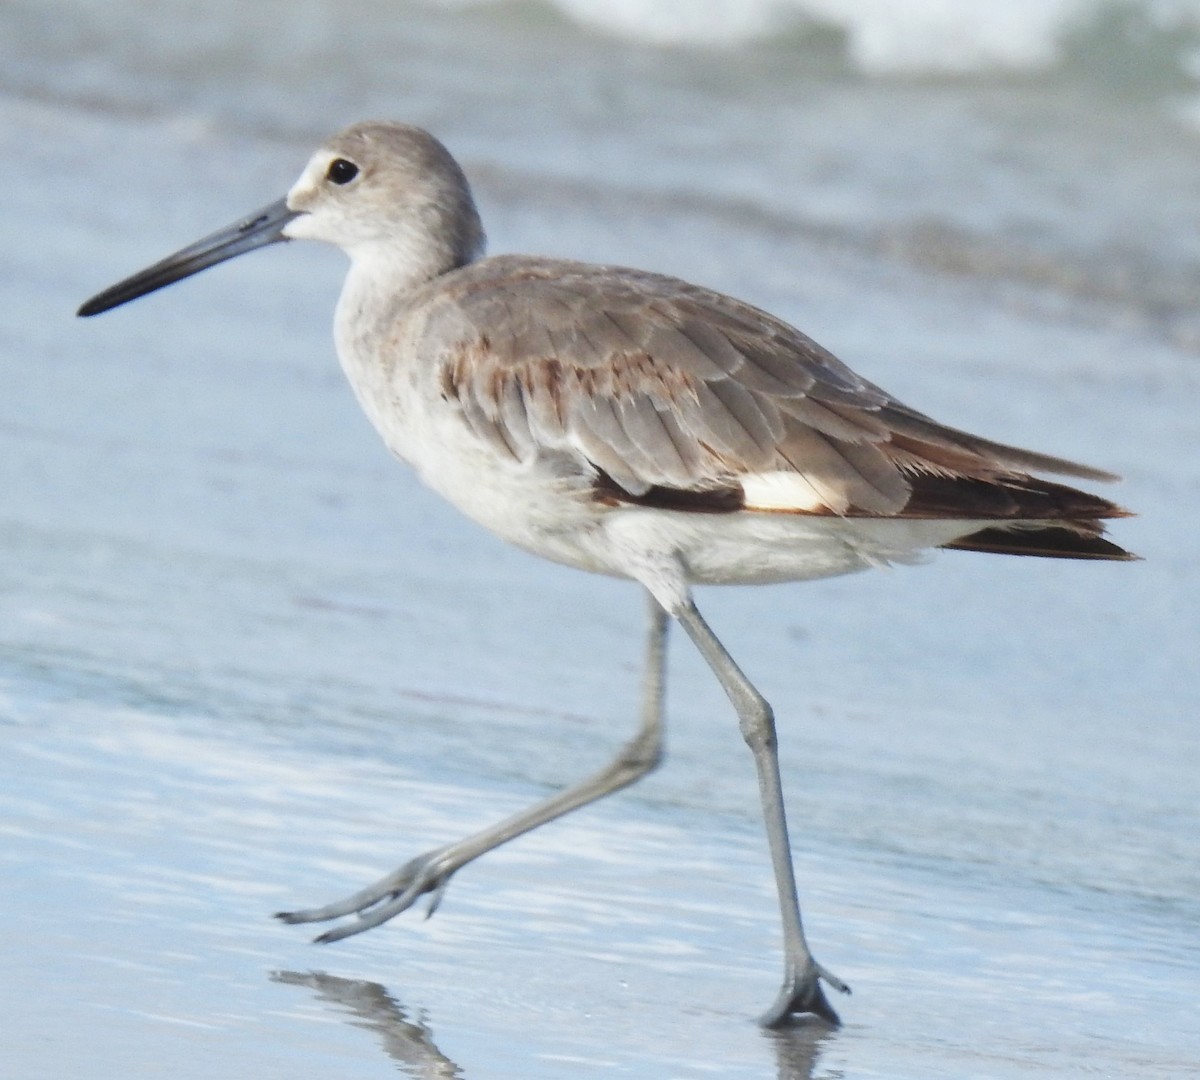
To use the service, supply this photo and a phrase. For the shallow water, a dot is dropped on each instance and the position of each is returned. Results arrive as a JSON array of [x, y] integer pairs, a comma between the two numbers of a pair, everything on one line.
[[247, 663]]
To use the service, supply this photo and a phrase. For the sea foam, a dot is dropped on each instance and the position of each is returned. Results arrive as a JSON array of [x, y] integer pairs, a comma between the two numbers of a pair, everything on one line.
[[897, 37]]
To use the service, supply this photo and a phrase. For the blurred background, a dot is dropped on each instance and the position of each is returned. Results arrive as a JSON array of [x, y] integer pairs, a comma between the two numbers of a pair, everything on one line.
[[247, 663]]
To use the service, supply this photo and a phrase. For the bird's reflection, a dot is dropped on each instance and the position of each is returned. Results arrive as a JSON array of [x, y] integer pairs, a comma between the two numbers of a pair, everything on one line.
[[410, 1042], [798, 1048], [407, 1042]]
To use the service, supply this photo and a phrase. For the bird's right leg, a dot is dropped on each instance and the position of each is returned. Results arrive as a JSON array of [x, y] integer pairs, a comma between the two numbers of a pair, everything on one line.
[[801, 990], [429, 873]]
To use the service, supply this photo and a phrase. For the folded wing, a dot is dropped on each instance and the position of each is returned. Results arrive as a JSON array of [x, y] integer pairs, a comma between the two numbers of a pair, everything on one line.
[[679, 396]]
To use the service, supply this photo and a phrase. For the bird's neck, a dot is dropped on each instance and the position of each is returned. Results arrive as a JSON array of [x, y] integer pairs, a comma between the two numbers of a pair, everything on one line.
[[378, 292], [380, 281]]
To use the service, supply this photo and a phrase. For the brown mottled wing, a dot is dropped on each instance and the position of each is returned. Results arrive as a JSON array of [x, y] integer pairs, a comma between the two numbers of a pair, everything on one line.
[[664, 385]]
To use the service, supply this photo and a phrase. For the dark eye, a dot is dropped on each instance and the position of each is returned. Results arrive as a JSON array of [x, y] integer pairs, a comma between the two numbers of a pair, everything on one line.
[[341, 171]]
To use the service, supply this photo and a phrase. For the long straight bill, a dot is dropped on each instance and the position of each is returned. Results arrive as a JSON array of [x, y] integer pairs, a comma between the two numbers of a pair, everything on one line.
[[259, 229]]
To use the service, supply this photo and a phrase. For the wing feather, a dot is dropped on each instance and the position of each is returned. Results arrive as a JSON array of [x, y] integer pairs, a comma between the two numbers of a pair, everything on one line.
[[661, 386], [603, 438], [645, 428]]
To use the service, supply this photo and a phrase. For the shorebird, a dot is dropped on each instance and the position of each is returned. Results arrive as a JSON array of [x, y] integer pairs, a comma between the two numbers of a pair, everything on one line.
[[636, 425]]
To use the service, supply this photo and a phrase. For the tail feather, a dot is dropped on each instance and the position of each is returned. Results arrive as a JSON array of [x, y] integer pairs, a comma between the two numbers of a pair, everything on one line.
[[1058, 540]]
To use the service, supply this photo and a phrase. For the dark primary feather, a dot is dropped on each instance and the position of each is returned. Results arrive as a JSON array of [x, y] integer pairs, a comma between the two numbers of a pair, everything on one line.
[[674, 393], [1044, 541]]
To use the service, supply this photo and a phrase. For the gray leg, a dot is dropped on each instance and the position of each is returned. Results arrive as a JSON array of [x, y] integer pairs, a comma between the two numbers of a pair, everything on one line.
[[430, 872], [801, 991]]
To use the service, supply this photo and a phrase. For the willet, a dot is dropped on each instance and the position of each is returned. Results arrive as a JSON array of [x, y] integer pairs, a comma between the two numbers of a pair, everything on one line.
[[630, 424]]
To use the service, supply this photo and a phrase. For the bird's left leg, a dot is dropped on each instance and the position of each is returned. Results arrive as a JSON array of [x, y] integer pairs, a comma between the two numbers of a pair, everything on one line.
[[429, 873]]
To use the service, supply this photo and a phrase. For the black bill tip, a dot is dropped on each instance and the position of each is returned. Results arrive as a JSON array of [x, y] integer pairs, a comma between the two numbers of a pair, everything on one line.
[[257, 230]]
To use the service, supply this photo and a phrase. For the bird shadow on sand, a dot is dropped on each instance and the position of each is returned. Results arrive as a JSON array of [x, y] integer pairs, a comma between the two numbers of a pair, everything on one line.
[[410, 1043]]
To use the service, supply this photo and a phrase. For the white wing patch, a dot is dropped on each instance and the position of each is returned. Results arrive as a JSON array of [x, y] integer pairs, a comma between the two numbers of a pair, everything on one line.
[[782, 492]]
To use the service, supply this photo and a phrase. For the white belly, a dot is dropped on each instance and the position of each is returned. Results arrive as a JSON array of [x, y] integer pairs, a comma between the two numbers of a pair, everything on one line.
[[546, 507]]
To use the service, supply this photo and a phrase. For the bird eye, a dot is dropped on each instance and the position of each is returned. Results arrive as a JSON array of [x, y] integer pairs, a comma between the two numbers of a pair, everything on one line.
[[341, 171]]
